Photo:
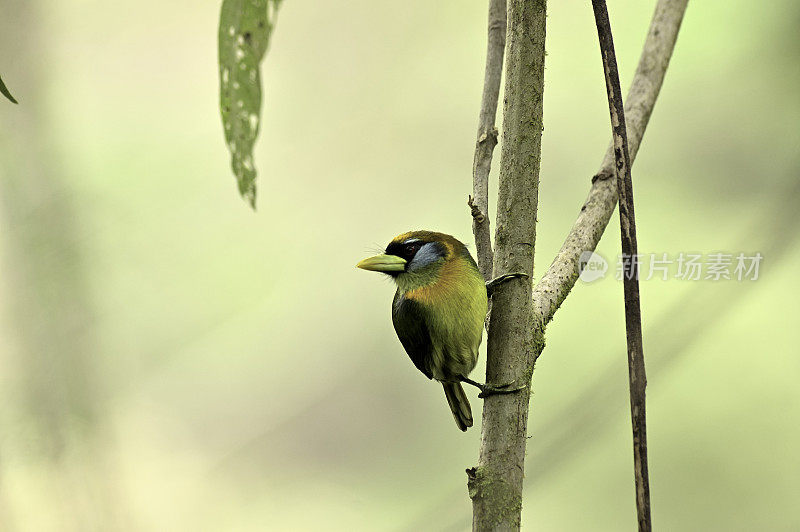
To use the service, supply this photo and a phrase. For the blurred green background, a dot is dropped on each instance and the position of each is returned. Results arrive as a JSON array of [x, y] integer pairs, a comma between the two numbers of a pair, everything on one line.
[[171, 360]]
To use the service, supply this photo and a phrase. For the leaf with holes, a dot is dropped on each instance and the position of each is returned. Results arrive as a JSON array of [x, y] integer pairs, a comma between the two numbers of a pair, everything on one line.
[[245, 27]]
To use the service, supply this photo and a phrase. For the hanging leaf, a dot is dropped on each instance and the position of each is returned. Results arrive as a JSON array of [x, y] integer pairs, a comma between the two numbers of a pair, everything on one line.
[[4, 91], [245, 27]]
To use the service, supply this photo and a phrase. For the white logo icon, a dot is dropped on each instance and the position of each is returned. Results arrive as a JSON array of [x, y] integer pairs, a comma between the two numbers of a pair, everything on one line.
[[591, 267]]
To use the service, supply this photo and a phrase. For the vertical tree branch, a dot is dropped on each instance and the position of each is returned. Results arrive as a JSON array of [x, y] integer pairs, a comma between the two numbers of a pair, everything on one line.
[[516, 336], [560, 277], [627, 220], [56, 394], [487, 136], [516, 332]]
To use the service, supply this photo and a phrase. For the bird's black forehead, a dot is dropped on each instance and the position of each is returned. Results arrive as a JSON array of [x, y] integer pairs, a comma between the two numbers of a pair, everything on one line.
[[405, 249], [396, 248], [408, 248]]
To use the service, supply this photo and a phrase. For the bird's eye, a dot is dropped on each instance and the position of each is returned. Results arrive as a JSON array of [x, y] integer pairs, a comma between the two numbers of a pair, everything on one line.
[[411, 250]]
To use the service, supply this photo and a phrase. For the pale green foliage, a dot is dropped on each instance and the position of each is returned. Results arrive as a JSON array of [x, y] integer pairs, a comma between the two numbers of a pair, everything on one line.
[[245, 27]]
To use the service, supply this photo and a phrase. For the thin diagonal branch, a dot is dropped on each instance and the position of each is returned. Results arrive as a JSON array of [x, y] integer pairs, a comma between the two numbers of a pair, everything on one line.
[[630, 268], [559, 279], [487, 137]]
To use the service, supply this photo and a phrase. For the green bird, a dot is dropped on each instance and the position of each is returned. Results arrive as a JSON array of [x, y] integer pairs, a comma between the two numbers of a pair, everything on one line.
[[438, 310]]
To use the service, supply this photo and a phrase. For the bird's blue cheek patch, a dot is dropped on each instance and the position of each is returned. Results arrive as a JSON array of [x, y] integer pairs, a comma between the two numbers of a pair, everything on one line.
[[427, 254]]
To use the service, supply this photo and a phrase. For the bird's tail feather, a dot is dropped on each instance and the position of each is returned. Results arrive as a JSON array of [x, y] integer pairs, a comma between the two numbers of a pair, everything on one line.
[[459, 404]]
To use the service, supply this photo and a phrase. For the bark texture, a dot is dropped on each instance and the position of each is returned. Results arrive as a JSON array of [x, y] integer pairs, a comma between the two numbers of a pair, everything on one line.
[[627, 222], [593, 218], [515, 337], [487, 137], [519, 314]]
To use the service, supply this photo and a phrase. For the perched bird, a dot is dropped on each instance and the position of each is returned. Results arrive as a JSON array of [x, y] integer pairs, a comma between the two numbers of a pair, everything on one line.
[[438, 310]]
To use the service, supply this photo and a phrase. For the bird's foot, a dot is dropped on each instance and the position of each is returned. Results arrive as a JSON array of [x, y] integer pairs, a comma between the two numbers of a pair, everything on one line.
[[497, 281], [501, 389], [490, 389]]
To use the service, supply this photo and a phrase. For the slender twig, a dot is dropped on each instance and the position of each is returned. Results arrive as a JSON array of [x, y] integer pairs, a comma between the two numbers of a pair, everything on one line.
[[555, 285], [487, 137], [630, 267]]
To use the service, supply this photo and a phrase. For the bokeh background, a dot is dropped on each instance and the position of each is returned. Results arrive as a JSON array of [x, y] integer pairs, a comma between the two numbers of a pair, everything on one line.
[[171, 360]]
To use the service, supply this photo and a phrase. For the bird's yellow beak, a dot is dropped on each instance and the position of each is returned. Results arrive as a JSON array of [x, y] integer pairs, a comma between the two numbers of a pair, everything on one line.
[[383, 263]]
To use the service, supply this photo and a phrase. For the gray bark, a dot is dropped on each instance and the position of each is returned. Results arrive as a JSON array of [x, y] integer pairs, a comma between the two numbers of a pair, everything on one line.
[[515, 339], [627, 222], [487, 137], [593, 218], [519, 314]]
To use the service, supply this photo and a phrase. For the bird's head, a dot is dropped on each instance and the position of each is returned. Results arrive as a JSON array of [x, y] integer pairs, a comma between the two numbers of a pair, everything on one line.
[[415, 258]]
